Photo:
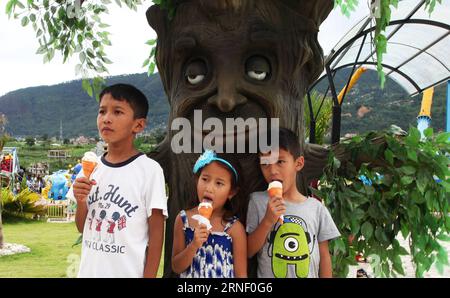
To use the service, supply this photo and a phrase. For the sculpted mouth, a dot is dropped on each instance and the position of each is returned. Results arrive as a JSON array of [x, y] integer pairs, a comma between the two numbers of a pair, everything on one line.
[[292, 258]]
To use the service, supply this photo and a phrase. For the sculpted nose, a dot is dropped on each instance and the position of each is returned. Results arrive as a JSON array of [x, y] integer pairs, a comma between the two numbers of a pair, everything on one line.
[[227, 97]]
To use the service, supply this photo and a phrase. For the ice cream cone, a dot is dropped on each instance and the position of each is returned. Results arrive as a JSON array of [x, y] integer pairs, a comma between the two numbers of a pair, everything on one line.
[[88, 168], [88, 163], [205, 209], [275, 189]]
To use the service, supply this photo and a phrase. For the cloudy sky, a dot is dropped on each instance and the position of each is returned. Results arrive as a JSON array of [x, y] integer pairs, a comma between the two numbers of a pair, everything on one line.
[[20, 67]]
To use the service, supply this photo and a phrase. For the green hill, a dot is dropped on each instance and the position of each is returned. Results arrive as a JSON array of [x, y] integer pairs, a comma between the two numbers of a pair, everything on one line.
[[383, 107], [37, 111]]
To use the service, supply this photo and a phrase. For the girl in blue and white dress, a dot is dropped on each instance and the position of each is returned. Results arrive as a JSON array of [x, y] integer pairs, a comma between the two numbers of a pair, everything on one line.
[[220, 251]]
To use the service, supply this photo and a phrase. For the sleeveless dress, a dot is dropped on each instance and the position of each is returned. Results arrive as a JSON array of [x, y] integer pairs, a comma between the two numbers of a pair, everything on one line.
[[215, 258]]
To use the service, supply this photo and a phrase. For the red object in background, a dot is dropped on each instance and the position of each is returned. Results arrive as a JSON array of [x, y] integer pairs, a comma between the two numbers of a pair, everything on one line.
[[6, 165]]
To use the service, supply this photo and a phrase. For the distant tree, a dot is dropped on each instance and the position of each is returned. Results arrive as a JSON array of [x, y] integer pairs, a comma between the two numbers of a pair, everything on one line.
[[44, 137], [29, 141], [158, 135], [66, 141]]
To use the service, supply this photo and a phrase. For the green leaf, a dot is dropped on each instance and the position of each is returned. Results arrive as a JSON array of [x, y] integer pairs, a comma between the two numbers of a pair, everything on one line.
[[25, 21], [367, 230], [408, 170], [151, 69], [358, 214], [338, 245], [9, 7], [442, 256], [406, 180], [443, 237], [90, 53], [428, 132], [18, 3], [422, 181], [402, 251], [417, 197], [86, 85], [414, 136], [404, 228], [389, 156], [397, 265], [82, 57], [151, 42], [78, 68], [380, 235], [412, 154], [146, 62], [443, 138]]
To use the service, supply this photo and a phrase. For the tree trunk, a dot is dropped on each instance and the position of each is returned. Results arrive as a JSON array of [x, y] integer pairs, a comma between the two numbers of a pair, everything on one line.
[[228, 30]]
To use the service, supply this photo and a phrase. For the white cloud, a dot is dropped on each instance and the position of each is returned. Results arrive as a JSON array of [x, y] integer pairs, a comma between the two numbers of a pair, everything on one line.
[[20, 67]]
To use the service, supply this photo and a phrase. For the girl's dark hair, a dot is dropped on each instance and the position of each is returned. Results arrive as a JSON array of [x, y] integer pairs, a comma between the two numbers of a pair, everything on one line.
[[234, 206]]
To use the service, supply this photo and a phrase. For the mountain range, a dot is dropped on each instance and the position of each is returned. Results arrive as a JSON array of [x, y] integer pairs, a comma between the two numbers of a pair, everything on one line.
[[37, 111]]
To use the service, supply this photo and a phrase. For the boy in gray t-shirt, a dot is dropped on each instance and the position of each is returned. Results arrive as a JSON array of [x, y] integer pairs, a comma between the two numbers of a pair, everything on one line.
[[299, 246]]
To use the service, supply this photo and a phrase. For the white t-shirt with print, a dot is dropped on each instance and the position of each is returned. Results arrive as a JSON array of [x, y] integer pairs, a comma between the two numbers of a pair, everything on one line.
[[115, 235]]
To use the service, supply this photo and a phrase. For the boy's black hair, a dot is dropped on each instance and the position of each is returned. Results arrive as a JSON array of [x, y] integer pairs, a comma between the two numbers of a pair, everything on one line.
[[130, 94], [288, 141]]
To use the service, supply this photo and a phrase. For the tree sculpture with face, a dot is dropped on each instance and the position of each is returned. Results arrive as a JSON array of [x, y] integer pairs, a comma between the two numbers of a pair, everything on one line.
[[235, 59]]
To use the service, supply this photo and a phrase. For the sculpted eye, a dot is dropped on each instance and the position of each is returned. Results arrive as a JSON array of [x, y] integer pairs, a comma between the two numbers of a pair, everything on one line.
[[196, 72], [257, 68]]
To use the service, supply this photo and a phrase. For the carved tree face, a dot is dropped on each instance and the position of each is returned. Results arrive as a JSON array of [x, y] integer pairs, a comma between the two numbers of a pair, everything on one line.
[[249, 60]]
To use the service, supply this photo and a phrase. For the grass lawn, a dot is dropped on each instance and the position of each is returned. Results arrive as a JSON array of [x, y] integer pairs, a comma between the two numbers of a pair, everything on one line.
[[50, 244], [51, 254]]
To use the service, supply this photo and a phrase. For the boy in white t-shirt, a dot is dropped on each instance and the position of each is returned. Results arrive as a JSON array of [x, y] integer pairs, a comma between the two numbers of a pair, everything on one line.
[[122, 206]]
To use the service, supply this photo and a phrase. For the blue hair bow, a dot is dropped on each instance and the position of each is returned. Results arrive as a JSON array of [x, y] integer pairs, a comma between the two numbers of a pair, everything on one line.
[[208, 157]]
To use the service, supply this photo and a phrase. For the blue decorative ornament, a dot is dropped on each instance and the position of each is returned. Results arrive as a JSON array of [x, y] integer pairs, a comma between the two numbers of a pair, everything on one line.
[[60, 185], [76, 169], [208, 157], [365, 180]]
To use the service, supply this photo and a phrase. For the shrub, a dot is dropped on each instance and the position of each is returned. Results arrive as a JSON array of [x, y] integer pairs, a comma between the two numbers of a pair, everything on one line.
[[389, 184]]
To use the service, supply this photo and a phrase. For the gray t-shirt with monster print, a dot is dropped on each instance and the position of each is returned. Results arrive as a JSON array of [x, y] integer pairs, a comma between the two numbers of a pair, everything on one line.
[[291, 249]]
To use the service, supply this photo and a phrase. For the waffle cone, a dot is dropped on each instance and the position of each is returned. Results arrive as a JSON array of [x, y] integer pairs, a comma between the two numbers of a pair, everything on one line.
[[275, 192], [205, 211], [88, 168]]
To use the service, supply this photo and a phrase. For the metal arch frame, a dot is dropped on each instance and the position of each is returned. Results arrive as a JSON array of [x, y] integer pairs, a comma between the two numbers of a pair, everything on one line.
[[391, 68], [420, 51], [335, 136]]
